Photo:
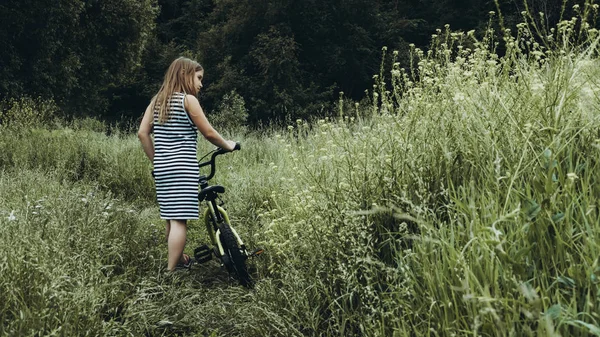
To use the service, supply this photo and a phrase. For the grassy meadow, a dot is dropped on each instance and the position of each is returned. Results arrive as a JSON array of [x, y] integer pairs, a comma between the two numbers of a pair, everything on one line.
[[461, 202]]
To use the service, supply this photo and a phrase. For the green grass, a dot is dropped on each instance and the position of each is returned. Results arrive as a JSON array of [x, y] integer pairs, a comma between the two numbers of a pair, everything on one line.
[[462, 202]]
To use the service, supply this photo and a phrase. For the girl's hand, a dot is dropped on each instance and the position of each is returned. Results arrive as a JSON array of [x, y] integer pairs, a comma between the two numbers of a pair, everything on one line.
[[230, 145]]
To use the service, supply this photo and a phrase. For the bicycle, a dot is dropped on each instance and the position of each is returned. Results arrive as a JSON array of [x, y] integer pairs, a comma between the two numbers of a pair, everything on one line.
[[226, 243]]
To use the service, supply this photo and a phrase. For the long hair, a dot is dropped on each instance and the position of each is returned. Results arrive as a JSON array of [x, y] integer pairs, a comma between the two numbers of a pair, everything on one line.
[[178, 78]]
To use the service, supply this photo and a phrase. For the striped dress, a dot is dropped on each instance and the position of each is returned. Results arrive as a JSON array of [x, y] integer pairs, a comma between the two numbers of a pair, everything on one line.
[[175, 162]]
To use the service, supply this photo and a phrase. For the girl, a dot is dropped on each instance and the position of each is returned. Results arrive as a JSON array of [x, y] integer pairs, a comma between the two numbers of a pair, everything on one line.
[[174, 116]]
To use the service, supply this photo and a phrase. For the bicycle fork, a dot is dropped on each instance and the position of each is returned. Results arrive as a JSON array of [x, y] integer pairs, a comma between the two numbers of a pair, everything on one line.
[[218, 215]]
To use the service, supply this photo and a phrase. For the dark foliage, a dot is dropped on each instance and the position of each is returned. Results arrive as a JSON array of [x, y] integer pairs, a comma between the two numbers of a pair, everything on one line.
[[75, 52], [287, 59]]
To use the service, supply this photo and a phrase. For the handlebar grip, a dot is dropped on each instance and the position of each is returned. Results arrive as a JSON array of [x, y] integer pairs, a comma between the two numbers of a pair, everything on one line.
[[221, 150]]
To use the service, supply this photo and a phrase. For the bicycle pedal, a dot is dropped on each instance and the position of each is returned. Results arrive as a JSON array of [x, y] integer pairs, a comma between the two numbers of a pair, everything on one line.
[[202, 252], [203, 259]]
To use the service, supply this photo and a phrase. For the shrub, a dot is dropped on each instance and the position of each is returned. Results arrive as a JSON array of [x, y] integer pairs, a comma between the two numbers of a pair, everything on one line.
[[27, 112], [231, 114]]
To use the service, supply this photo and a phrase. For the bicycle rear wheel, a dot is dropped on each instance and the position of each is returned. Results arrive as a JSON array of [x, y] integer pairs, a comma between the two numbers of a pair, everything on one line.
[[236, 255]]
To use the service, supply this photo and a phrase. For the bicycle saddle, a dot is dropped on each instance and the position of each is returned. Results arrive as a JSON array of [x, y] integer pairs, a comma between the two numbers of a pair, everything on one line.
[[209, 191]]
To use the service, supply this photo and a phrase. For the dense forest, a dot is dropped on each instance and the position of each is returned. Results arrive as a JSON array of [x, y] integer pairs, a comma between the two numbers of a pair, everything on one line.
[[281, 59]]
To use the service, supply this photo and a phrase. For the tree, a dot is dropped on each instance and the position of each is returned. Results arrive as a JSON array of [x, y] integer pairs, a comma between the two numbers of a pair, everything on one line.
[[72, 51], [288, 58]]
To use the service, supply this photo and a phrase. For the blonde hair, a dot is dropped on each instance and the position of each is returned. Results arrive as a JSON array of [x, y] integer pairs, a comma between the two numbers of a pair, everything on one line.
[[178, 78]]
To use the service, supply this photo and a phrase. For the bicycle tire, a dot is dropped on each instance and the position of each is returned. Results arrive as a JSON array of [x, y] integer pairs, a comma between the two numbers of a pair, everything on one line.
[[236, 256]]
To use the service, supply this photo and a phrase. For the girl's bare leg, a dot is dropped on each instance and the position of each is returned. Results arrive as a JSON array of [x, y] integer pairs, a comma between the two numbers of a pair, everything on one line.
[[177, 232], [168, 230]]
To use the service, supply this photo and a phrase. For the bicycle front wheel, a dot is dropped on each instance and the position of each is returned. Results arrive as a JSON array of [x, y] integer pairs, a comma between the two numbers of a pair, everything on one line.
[[236, 255]]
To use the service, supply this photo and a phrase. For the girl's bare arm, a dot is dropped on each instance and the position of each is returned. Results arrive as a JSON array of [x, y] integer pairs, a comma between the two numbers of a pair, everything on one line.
[[145, 131], [197, 115]]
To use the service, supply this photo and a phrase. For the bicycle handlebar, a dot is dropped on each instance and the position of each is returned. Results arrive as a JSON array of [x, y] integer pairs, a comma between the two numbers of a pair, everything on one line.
[[211, 162]]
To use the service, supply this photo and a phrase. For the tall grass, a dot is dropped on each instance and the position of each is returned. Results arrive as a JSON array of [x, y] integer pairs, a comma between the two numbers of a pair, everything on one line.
[[113, 162], [463, 201]]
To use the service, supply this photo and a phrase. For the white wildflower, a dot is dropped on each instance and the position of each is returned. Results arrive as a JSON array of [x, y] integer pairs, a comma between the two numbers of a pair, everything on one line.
[[458, 97], [537, 86]]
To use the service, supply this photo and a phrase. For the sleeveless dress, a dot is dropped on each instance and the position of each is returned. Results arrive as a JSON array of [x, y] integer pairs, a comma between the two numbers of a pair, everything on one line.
[[175, 162]]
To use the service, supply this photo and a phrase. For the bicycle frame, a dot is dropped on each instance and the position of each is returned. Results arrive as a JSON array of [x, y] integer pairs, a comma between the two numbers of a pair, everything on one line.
[[212, 219], [215, 215]]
